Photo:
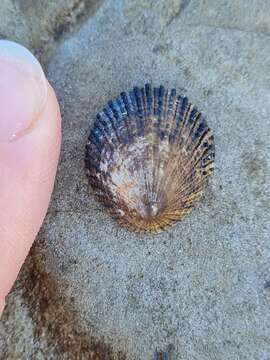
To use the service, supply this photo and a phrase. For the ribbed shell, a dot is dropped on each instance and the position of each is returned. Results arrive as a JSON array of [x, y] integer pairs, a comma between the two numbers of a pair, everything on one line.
[[149, 155]]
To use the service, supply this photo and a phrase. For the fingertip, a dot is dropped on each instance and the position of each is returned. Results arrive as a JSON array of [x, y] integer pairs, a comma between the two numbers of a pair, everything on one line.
[[23, 90], [28, 167]]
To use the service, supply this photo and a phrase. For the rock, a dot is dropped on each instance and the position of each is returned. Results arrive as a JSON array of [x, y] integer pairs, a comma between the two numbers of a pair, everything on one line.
[[90, 288], [13, 25], [41, 25]]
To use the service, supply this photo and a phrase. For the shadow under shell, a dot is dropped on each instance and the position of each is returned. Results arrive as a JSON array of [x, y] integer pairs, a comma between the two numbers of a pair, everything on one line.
[[148, 158]]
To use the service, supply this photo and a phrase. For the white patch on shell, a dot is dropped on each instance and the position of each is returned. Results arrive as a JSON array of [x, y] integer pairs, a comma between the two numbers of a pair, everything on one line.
[[130, 173]]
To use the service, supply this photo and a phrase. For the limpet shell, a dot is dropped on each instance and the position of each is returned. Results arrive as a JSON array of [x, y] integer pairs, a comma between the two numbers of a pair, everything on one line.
[[148, 158]]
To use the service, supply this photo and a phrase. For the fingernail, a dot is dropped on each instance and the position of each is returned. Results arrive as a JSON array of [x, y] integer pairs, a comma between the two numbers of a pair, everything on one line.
[[2, 306], [23, 90]]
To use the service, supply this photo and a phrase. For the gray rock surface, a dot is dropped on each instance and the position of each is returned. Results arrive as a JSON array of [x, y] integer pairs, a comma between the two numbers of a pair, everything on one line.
[[93, 290], [42, 25]]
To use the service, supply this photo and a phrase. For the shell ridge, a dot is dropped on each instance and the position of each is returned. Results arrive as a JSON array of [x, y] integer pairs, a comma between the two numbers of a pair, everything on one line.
[[198, 144], [95, 137], [194, 123], [171, 112], [180, 115], [164, 138], [105, 123], [164, 114], [150, 121], [129, 109], [160, 106], [200, 140], [123, 114], [107, 110], [174, 120], [134, 113], [160, 97], [183, 131], [119, 120], [156, 137], [147, 177], [107, 142], [147, 105], [149, 99], [138, 97], [206, 153]]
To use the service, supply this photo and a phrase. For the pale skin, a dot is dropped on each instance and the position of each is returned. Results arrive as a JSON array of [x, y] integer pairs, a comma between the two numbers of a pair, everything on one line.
[[30, 136]]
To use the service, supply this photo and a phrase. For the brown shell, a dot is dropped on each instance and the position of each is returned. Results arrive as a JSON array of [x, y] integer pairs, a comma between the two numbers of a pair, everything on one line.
[[149, 156]]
